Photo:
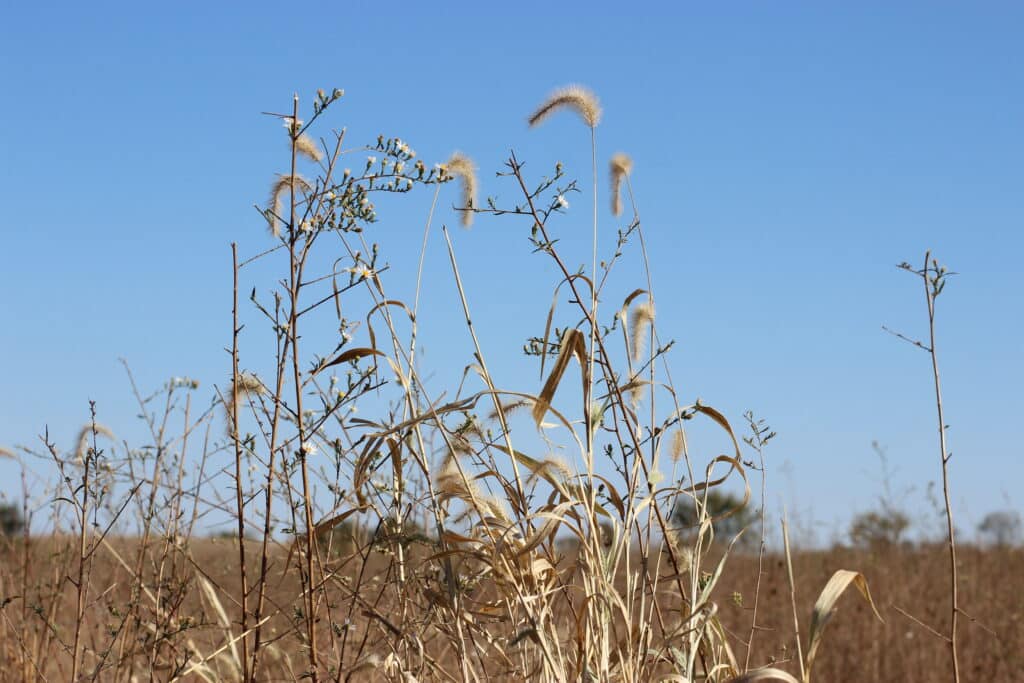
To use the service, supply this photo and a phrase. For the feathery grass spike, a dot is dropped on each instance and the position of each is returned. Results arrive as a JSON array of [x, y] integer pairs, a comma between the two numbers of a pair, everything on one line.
[[277, 190], [83, 438], [639, 323], [619, 167], [305, 146], [460, 166], [575, 97]]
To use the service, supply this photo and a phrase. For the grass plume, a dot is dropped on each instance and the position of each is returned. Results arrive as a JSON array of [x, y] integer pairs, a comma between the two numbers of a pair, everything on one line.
[[277, 191], [462, 167], [83, 438], [576, 97], [305, 146], [619, 167], [639, 322]]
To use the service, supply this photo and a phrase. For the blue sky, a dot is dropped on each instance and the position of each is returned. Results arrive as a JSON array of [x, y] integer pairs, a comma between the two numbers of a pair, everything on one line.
[[788, 155]]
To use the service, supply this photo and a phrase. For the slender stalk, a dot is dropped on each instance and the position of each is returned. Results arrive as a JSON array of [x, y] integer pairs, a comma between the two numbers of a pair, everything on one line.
[[593, 314], [931, 290], [792, 597], [239, 502], [80, 583], [295, 275], [758, 443]]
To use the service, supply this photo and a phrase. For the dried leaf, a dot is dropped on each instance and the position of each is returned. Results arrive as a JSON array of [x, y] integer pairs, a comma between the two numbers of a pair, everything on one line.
[[825, 607], [573, 343], [350, 355]]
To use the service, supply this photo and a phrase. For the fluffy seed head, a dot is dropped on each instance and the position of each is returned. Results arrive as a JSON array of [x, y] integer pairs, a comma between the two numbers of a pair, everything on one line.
[[84, 436], [639, 323], [247, 384], [460, 166], [305, 146], [450, 483], [575, 97], [678, 445], [619, 167], [276, 201]]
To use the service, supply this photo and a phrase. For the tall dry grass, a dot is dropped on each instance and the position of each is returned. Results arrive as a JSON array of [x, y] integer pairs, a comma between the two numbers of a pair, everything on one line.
[[382, 530]]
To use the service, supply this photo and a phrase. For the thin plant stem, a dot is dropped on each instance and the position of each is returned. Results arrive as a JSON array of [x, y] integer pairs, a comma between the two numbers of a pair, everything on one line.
[[792, 597], [930, 292], [235, 439]]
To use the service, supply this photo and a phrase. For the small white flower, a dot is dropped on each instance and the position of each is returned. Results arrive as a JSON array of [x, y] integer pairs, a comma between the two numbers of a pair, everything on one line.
[[308, 448], [338, 92], [348, 172], [409, 180], [306, 226], [399, 166], [330, 196], [370, 161], [562, 202]]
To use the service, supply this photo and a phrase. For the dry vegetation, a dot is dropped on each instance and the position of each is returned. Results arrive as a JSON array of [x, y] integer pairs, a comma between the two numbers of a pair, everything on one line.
[[559, 531]]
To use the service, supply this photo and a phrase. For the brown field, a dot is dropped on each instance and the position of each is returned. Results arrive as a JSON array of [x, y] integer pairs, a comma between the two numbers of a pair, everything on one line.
[[39, 609]]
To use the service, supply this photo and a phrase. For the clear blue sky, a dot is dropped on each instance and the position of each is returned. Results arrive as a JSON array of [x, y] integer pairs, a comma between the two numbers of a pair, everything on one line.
[[788, 155]]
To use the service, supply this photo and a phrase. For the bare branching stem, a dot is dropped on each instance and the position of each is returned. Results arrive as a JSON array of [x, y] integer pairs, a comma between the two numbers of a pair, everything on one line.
[[294, 284], [933, 277], [932, 286], [237, 443]]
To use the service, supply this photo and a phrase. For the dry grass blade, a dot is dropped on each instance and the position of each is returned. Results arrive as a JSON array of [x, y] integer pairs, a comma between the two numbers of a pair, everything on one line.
[[825, 607], [551, 470], [328, 524], [765, 674], [211, 596], [722, 422], [351, 354], [573, 342]]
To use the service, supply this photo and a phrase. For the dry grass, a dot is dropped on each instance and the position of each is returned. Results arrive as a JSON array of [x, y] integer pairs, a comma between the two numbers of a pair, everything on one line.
[[478, 533], [858, 647]]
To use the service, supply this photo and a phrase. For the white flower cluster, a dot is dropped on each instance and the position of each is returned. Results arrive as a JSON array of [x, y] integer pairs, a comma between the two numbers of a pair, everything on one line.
[[403, 148]]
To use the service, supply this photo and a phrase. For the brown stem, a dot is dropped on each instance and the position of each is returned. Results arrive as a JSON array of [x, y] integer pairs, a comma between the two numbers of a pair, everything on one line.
[[239, 502], [293, 290], [929, 293]]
